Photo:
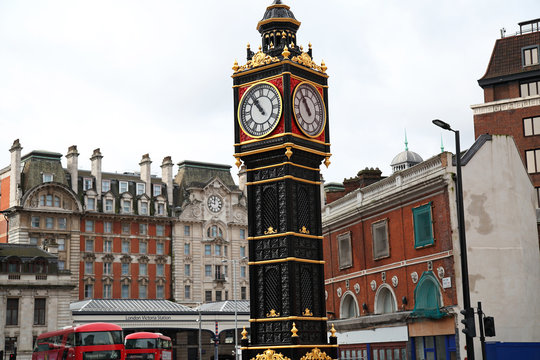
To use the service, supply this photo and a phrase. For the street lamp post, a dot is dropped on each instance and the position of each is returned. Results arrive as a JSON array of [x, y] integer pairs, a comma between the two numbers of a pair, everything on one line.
[[235, 262], [462, 239]]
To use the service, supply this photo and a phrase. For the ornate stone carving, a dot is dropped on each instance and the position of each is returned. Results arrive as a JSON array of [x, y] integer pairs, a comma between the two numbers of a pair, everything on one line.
[[356, 288], [339, 292], [395, 281], [414, 277], [373, 284]]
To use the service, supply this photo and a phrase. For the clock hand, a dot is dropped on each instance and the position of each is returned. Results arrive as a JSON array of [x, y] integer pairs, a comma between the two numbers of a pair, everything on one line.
[[306, 105], [258, 106]]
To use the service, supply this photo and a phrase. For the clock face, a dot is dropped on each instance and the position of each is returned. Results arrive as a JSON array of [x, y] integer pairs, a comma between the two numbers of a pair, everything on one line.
[[260, 110], [309, 109], [214, 203]]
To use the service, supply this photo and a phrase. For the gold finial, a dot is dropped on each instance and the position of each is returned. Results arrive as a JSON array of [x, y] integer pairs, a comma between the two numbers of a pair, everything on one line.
[[260, 47], [301, 48], [294, 330], [238, 161], [288, 152], [309, 45], [332, 330], [271, 45], [244, 333], [270, 231], [327, 161], [292, 45], [273, 313], [235, 66], [307, 312], [323, 66], [304, 230], [286, 52], [248, 45]]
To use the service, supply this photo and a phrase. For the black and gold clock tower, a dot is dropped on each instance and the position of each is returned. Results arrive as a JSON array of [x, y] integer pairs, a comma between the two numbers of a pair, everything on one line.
[[281, 132]]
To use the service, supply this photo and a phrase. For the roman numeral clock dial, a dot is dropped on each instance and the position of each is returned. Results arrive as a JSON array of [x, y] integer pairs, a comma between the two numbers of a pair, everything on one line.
[[260, 110], [309, 109]]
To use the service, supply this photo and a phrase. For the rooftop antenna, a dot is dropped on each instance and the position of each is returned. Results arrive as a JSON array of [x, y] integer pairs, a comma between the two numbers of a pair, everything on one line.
[[503, 32]]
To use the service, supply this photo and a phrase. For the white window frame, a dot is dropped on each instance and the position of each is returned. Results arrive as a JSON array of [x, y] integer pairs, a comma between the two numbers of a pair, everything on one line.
[[160, 248], [126, 206], [379, 235], [105, 188], [530, 55], [143, 229], [87, 183], [107, 227], [106, 205], [141, 187], [107, 245], [62, 223], [144, 208], [141, 271], [123, 186], [89, 226], [157, 190], [90, 203], [143, 247], [160, 230], [89, 245], [48, 177], [532, 160], [107, 268]]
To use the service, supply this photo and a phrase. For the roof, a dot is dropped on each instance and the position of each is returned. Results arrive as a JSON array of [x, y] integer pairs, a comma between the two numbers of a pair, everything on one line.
[[506, 59], [146, 306], [406, 156], [23, 251], [198, 174], [277, 13], [225, 306]]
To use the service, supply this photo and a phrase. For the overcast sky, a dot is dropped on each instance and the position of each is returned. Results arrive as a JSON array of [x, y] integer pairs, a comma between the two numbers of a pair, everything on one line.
[[136, 77]]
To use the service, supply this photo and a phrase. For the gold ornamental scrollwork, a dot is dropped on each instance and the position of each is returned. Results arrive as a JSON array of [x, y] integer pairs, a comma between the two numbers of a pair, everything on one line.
[[304, 230], [316, 354], [307, 312], [258, 59], [270, 231], [273, 313], [305, 59], [270, 355]]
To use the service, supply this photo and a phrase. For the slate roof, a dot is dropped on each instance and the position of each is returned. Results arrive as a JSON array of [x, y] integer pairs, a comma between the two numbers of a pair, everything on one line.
[[506, 58], [225, 306], [129, 306], [23, 251]]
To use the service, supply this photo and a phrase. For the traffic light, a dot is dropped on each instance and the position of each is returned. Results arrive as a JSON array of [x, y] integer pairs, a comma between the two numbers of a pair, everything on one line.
[[12, 357], [468, 322], [489, 326]]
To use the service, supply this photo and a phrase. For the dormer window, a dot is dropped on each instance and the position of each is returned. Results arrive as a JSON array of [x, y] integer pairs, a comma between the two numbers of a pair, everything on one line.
[[105, 185], [47, 177], [123, 187], [144, 208], [126, 206], [90, 204], [157, 189], [140, 188], [160, 208], [109, 205], [530, 56], [87, 183]]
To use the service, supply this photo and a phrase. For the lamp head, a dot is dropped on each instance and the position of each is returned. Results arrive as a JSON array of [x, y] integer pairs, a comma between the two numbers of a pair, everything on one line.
[[442, 124]]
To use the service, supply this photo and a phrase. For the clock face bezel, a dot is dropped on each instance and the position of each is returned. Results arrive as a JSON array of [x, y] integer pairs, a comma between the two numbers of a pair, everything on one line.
[[210, 206], [297, 114], [244, 99]]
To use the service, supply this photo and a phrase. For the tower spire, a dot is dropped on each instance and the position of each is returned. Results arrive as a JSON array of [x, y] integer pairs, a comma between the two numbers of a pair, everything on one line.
[[406, 142], [442, 146]]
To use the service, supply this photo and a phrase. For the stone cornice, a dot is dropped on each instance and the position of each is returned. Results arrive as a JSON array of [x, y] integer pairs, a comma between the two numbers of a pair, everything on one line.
[[506, 104]]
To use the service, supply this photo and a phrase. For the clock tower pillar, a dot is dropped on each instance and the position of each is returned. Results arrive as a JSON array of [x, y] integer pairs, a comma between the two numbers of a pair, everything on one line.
[[281, 131]]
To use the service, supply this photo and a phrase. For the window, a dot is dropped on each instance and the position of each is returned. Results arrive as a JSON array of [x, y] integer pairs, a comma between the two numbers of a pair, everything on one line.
[[89, 226], [187, 292], [218, 295], [217, 250], [159, 248], [144, 208], [125, 268], [91, 204], [208, 270], [218, 273], [187, 270], [105, 186], [157, 190], [160, 230], [34, 241], [379, 234], [242, 271], [49, 222], [242, 234], [384, 301], [123, 187], [423, 227], [225, 248], [126, 228], [61, 265], [61, 244], [530, 56], [208, 296], [12, 312], [88, 267], [531, 126], [107, 268], [143, 229], [109, 205], [107, 291], [143, 247], [214, 231], [537, 197], [89, 245], [161, 209], [143, 291], [126, 206], [107, 246], [186, 249], [345, 250], [125, 291], [140, 188], [143, 269], [160, 269], [49, 200], [243, 293], [62, 223], [35, 221], [186, 230], [56, 201], [88, 291], [87, 183], [242, 251], [47, 178], [160, 292], [530, 88], [207, 249], [107, 227], [349, 307]]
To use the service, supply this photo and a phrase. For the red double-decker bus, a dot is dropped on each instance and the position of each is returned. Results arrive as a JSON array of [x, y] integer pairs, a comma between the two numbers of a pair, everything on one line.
[[148, 346], [96, 341]]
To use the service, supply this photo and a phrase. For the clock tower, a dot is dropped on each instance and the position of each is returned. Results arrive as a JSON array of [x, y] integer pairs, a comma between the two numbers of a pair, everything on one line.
[[281, 132]]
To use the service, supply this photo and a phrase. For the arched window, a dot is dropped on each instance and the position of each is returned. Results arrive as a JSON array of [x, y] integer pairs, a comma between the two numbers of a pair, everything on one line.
[[349, 306], [214, 231], [385, 301], [427, 297]]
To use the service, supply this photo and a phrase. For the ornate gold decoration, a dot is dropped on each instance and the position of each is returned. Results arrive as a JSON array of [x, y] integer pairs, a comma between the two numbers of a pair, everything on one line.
[[309, 45], [332, 330], [307, 312], [238, 161], [303, 230], [301, 48], [270, 231], [270, 355], [294, 330], [323, 66], [235, 66], [258, 59], [271, 45], [244, 333], [327, 161], [305, 59], [316, 354], [286, 52], [273, 313], [248, 45], [288, 152]]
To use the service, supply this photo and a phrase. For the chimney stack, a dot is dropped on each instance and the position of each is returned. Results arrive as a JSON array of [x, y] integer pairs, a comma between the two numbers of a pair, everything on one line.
[[73, 166], [96, 169], [242, 179], [167, 177], [146, 176], [15, 176]]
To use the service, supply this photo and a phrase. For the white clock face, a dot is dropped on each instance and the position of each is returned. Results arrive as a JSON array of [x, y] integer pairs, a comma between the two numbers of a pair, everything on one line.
[[260, 110], [214, 203], [309, 109]]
